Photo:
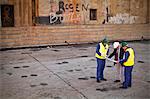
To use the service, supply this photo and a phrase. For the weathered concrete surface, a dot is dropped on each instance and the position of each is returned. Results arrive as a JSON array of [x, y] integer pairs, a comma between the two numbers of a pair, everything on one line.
[[67, 72]]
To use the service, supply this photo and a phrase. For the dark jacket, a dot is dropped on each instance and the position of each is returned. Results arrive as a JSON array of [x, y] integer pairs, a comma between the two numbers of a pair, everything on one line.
[[115, 53]]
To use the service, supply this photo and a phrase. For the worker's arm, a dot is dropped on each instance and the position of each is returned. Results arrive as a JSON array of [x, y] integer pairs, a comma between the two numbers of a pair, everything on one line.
[[125, 59], [107, 52], [97, 50], [113, 53], [121, 53]]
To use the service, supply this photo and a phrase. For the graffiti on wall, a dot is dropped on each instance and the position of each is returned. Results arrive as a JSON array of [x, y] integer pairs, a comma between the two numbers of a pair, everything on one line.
[[67, 12], [124, 18]]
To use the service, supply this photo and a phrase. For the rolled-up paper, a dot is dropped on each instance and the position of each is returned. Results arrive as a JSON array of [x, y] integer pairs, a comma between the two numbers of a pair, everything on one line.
[[111, 60]]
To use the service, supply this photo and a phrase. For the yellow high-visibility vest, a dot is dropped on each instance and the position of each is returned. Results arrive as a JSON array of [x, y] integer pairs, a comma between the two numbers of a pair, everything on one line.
[[130, 60], [103, 50]]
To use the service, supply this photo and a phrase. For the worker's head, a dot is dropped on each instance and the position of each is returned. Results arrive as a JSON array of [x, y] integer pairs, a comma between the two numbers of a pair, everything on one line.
[[116, 45], [124, 45], [105, 41]]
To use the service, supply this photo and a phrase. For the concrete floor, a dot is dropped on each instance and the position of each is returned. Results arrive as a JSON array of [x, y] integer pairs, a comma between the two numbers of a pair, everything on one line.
[[68, 72]]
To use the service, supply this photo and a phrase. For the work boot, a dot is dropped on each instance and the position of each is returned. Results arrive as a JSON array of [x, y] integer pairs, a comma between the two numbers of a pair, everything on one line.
[[117, 81], [129, 85], [98, 81], [122, 87], [104, 79]]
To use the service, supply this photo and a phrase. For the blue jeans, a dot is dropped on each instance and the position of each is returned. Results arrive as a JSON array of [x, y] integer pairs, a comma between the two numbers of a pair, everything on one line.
[[127, 76], [100, 68]]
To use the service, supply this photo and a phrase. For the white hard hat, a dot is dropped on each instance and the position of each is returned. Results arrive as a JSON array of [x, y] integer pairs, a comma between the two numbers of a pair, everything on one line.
[[116, 44]]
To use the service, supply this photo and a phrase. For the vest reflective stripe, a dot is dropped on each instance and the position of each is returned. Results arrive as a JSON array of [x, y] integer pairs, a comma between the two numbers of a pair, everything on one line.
[[130, 60], [103, 50]]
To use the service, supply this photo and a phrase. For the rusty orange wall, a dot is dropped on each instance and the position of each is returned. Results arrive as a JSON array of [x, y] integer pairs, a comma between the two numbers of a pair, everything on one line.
[[46, 35]]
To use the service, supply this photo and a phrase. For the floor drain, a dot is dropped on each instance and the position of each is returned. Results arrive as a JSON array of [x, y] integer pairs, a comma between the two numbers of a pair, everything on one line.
[[140, 61], [33, 75], [93, 67], [70, 70], [2, 68], [21, 59], [83, 78], [108, 66], [59, 63], [56, 50], [92, 77], [64, 62], [25, 66], [16, 67], [38, 49], [78, 69], [102, 89], [26, 53], [24, 76], [9, 74], [43, 84], [33, 85], [83, 49], [84, 56], [57, 97], [92, 59], [148, 81]]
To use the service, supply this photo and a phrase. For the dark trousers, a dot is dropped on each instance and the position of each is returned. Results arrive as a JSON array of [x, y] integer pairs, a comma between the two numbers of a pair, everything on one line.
[[127, 76], [100, 68]]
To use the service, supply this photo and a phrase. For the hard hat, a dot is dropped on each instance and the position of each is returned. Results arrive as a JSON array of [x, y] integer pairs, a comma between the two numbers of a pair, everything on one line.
[[105, 40], [116, 44], [124, 44]]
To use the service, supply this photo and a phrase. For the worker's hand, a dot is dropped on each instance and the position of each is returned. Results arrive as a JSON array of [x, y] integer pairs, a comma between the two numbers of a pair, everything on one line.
[[117, 62]]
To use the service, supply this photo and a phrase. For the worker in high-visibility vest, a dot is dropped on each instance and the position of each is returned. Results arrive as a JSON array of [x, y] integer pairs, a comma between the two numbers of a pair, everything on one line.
[[101, 53], [118, 54], [128, 63]]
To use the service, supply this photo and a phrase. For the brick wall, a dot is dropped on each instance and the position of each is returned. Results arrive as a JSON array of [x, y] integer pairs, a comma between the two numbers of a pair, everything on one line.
[[53, 35]]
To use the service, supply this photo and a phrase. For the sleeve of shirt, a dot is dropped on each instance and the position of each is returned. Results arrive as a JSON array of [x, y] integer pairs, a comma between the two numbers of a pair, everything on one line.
[[97, 49], [112, 54], [108, 52], [125, 59]]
